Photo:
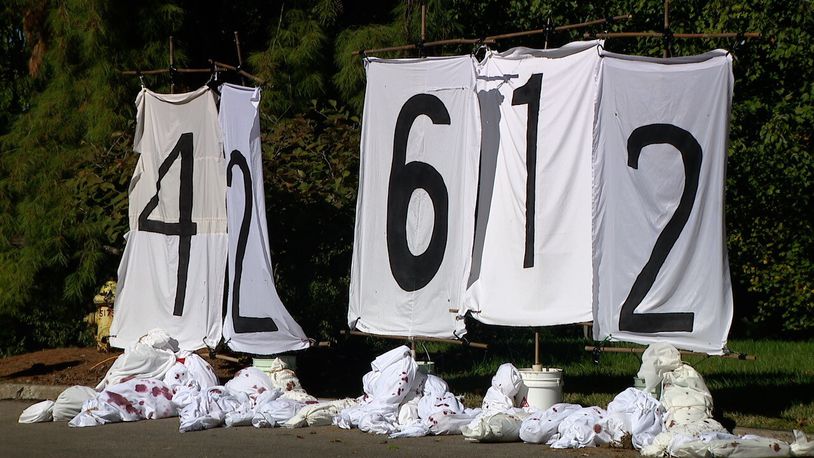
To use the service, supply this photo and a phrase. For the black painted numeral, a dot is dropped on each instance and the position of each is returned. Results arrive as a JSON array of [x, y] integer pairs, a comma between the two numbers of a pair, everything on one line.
[[244, 324], [413, 272], [184, 228], [691, 155], [529, 94]]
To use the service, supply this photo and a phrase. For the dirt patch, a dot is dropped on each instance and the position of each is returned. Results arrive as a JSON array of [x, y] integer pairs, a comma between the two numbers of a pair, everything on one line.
[[76, 366]]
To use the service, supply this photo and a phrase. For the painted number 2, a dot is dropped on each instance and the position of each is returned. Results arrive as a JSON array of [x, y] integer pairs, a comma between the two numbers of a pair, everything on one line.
[[244, 324], [184, 228], [413, 272], [691, 156]]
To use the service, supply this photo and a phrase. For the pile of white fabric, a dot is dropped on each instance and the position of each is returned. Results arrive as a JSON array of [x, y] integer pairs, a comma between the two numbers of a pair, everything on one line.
[[152, 379], [688, 428], [499, 420], [400, 401]]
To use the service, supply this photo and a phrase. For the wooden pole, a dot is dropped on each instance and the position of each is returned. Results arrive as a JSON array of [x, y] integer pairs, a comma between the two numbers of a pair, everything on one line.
[[239, 58], [675, 35], [537, 365], [667, 50], [482, 346], [494, 38], [742, 356], [172, 65], [423, 21]]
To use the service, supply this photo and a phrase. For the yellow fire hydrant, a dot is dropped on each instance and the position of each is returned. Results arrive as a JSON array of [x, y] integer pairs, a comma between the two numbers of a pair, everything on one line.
[[103, 315]]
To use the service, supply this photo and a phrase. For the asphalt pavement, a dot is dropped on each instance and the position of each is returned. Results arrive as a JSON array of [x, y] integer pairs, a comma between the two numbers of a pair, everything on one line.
[[157, 438]]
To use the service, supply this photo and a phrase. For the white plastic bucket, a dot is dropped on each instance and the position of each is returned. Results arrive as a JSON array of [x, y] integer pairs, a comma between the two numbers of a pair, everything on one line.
[[541, 389]]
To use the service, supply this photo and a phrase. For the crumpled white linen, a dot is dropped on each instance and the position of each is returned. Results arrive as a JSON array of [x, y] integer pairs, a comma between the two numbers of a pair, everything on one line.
[[587, 427], [69, 403], [391, 380], [198, 369], [139, 360], [251, 381], [505, 384], [640, 414], [499, 420], [320, 414], [205, 408], [657, 359], [160, 340], [696, 429], [801, 445], [542, 425], [133, 400], [727, 445], [447, 423], [493, 427], [271, 413], [421, 416], [37, 413]]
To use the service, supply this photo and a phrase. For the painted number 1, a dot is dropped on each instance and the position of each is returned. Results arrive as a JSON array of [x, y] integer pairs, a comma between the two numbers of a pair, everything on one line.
[[529, 94]]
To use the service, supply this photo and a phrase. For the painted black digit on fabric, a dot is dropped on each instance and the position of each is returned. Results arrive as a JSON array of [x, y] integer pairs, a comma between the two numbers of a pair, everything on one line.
[[244, 324], [529, 94], [692, 156], [184, 228], [413, 272]]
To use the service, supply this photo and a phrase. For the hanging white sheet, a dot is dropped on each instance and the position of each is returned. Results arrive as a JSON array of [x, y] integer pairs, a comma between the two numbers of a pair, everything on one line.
[[531, 263], [417, 191], [171, 273], [660, 261], [256, 320]]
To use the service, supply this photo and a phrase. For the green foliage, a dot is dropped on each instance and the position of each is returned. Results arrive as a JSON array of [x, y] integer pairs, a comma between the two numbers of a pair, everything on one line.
[[311, 179], [66, 131]]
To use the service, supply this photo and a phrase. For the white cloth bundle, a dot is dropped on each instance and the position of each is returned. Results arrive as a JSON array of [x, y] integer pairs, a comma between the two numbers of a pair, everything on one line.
[[640, 414], [37, 413], [505, 384], [543, 426], [494, 427], [133, 400], [139, 360], [69, 403], [685, 396], [392, 379], [657, 359]]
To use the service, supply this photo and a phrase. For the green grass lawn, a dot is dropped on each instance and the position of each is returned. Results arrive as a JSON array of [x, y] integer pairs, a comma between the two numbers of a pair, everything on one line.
[[776, 391]]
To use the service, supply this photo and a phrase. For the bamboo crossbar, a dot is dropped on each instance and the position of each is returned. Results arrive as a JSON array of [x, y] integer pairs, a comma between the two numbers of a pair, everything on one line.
[[239, 71], [741, 356], [482, 346], [561, 28], [491, 39], [674, 35], [195, 70]]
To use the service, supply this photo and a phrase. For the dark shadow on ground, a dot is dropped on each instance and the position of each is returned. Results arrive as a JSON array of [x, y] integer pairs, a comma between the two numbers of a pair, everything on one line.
[[41, 369]]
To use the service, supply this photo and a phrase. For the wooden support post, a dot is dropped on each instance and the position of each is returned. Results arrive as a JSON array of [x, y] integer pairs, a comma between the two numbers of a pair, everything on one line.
[[172, 65], [667, 50], [537, 365], [423, 21], [239, 57]]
